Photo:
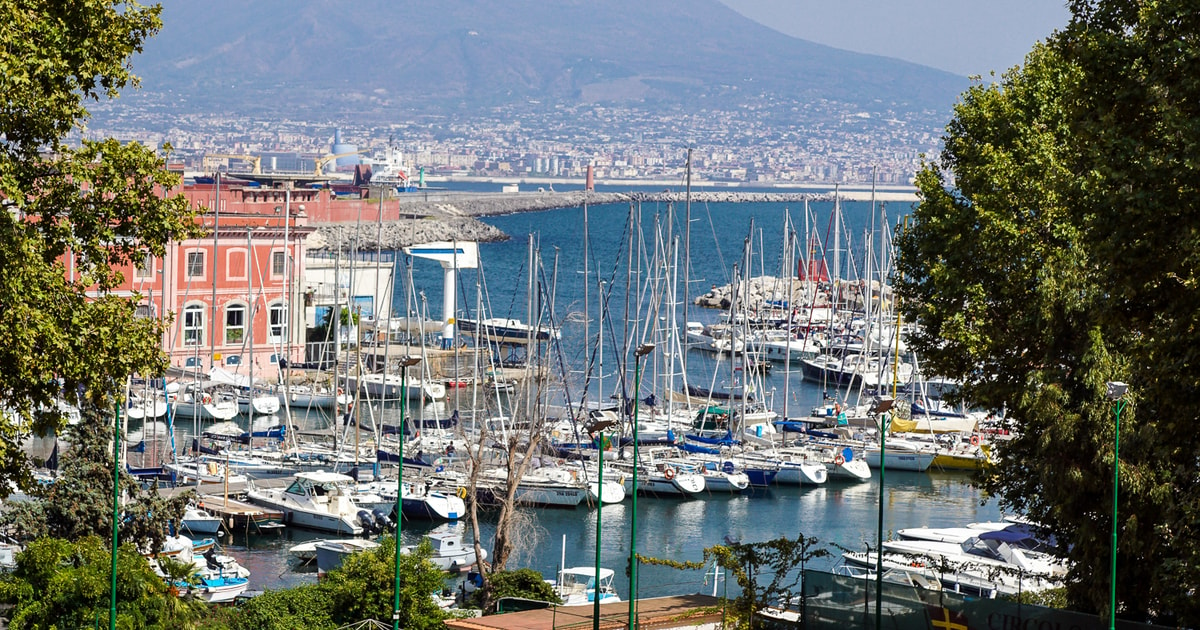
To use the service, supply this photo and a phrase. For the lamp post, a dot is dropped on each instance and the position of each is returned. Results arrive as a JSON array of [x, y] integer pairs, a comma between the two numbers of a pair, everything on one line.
[[405, 363], [112, 600], [641, 351], [882, 406], [599, 521], [1116, 393]]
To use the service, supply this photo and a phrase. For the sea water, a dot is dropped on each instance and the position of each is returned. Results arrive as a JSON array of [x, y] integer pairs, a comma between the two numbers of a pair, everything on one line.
[[841, 515]]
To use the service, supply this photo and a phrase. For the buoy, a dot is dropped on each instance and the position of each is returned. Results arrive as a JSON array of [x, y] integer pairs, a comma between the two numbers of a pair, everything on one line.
[[462, 492], [974, 440], [838, 459], [669, 473]]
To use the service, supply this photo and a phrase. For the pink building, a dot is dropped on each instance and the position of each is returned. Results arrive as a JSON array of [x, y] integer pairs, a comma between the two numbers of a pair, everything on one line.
[[232, 294]]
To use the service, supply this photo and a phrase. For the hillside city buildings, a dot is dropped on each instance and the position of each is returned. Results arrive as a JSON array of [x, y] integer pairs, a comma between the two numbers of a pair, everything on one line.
[[764, 143]]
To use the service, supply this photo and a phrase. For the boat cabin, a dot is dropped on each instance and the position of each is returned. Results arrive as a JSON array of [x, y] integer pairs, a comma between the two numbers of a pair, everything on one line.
[[320, 484]]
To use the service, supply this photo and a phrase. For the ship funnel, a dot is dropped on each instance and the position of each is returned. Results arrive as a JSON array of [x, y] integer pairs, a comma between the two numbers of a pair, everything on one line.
[[453, 256]]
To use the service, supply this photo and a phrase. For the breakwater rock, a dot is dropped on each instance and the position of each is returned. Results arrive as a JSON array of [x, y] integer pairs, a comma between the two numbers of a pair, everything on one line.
[[761, 290], [397, 234], [435, 215]]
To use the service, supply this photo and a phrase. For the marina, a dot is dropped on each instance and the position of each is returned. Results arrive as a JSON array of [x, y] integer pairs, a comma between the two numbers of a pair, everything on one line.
[[769, 455]]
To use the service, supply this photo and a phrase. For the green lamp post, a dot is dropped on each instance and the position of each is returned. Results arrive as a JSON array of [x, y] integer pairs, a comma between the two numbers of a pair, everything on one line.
[[405, 363], [1116, 393], [641, 351]]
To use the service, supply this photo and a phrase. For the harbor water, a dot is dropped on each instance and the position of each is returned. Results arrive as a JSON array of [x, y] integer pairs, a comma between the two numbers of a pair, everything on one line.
[[842, 515]]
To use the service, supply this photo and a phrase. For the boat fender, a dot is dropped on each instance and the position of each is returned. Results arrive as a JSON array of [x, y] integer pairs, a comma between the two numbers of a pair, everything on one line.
[[838, 460], [669, 473], [574, 475], [461, 492], [974, 440]]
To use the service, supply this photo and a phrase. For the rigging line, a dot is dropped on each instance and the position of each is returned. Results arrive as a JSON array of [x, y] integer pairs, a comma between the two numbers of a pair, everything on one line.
[[716, 242]]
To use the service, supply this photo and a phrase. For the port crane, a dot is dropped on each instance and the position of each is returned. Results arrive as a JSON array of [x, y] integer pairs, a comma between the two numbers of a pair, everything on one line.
[[322, 161], [254, 160]]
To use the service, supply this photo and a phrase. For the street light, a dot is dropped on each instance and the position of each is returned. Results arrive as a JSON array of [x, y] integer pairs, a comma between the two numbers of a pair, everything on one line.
[[1116, 393], [882, 405], [597, 428], [641, 351], [405, 363]]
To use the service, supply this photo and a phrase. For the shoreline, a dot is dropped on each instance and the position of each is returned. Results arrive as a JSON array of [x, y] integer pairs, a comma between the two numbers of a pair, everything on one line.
[[445, 215]]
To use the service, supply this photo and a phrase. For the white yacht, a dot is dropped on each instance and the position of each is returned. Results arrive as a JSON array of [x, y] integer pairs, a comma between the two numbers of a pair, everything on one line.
[[577, 586], [316, 500]]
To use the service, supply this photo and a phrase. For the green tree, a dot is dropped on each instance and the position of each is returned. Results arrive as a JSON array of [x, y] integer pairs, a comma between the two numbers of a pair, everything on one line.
[[79, 503], [782, 559], [362, 588], [308, 606], [98, 205], [62, 584], [1054, 250], [523, 583]]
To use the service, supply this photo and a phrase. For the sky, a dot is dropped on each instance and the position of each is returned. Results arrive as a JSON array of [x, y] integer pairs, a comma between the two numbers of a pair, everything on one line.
[[965, 37]]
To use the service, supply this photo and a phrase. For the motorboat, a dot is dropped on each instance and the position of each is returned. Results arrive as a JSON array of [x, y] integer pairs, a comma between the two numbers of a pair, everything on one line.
[[331, 553], [420, 501], [506, 331], [317, 500], [449, 552], [989, 564], [577, 586], [197, 520]]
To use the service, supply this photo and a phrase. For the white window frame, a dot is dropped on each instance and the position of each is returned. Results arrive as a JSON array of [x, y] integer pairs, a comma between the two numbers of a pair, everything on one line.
[[193, 331], [277, 322], [230, 308]]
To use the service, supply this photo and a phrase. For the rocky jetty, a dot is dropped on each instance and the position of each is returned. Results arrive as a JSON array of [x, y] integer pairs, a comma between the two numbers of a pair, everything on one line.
[[397, 234], [450, 215], [759, 289]]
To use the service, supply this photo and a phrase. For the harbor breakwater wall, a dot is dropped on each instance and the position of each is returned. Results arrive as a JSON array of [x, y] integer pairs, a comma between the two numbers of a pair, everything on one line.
[[427, 216]]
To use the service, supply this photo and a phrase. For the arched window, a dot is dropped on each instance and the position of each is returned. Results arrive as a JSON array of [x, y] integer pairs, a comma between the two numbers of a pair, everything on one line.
[[235, 324], [193, 325], [277, 324]]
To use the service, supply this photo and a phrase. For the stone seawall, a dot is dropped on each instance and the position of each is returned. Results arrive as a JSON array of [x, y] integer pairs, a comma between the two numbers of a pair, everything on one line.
[[450, 215]]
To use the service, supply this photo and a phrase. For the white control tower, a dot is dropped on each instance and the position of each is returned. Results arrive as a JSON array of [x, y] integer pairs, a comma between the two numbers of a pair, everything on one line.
[[453, 256]]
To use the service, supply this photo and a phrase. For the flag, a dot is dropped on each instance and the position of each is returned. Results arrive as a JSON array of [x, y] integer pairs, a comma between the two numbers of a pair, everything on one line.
[[946, 619]]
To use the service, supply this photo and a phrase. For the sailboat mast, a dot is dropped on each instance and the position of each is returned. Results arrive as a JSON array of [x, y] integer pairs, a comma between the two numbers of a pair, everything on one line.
[[687, 252]]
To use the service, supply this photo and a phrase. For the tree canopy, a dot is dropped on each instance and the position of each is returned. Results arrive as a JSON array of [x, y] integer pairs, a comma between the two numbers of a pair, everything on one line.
[[79, 502], [1055, 249], [73, 215]]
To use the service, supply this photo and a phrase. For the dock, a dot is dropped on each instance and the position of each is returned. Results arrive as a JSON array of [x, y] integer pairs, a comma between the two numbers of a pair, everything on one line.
[[235, 514]]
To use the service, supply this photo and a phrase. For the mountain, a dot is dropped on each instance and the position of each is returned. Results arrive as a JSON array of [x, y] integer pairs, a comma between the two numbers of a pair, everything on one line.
[[490, 52]]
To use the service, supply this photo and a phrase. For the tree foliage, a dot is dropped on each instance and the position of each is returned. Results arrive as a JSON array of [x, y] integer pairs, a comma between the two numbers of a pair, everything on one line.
[[782, 560], [62, 584], [79, 502], [1054, 250], [523, 583], [363, 587], [72, 215], [307, 606]]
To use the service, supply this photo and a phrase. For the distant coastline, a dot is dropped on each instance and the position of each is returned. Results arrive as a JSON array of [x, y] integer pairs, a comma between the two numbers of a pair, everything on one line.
[[444, 215]]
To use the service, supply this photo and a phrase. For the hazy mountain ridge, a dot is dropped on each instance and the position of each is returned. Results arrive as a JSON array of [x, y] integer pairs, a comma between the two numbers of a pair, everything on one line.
[[487, 52]]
